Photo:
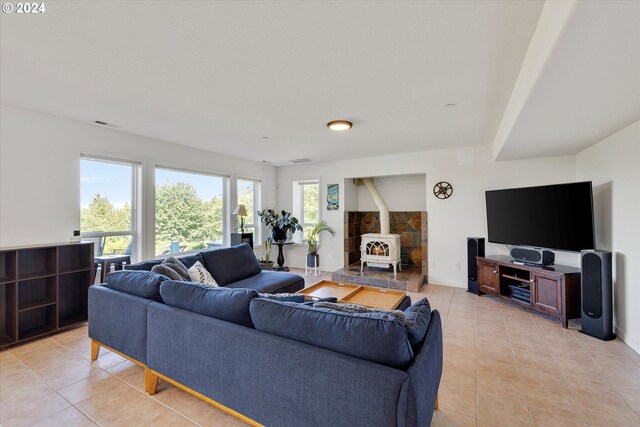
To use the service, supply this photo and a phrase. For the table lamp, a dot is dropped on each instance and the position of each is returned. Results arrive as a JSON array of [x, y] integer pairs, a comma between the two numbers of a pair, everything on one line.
[[241, 211]]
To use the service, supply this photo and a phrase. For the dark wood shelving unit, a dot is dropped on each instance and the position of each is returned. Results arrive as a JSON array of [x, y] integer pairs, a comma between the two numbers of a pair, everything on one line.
[[43, 289], [553, 290]]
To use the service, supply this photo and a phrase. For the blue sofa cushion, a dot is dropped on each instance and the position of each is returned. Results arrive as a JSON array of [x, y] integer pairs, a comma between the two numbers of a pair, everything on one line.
[[190, 260], [376, 337], [145, 284], [231, 264], [418, 318], [144, 265], [271, 282], [231, 305]]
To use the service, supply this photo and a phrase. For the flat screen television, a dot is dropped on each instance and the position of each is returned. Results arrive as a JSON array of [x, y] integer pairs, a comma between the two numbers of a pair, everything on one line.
[[550, 216]]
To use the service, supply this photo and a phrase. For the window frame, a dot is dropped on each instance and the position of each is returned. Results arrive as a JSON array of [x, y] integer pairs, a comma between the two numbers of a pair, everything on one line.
[[136, 170], [257, 205], [299, 211], [225, 204]]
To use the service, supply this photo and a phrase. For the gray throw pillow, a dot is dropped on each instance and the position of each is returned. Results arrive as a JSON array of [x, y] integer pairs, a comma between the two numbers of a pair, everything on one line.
[[284, 297], [357, 308], [166, 271], [175, 264]]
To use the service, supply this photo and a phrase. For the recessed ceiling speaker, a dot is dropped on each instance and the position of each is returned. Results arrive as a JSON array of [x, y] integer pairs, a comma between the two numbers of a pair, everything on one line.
[[475, 248], [532, 256], [597, 294]]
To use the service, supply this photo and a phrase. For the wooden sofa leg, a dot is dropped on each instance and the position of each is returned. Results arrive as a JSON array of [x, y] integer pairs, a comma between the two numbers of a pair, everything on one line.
[[150, 381], [95, 350], [435, 407]]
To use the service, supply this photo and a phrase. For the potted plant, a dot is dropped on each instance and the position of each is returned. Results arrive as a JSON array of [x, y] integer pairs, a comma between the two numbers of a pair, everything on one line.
[[313, 241], [266, 263], [279, 223]]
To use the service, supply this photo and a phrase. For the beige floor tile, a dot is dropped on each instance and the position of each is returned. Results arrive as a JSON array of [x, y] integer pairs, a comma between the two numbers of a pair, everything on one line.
[[496, 412], [62, 370], [31, 346], [499, 384], [130, 408], [554, 409], [579, 366], [16, 378], [107, 359], [102, 384], [601, 404], [537, 361], [536, 381], [446, 418], [69, 417], [459, 378], [191, 407], [30, 405], [462, 401], [130, 373]]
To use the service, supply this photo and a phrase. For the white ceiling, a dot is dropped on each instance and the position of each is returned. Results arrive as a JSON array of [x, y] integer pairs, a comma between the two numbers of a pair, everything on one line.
[[587, 88], [221, 75]]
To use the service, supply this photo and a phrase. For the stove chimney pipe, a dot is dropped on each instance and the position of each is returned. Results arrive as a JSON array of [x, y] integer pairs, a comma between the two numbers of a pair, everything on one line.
[[382, 206]]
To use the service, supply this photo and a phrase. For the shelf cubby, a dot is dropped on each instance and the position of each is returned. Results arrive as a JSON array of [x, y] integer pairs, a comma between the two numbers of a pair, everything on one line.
[[74, 258], [73, 291], [8, 313], [36, 322], [7, 266], [42, 289], [37, 262], [34, 293]]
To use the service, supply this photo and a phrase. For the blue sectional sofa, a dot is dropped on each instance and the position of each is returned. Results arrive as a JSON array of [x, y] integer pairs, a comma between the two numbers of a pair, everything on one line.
[[272, 362]]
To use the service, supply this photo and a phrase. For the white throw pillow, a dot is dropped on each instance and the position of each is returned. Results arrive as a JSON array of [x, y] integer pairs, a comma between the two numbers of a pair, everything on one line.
[[199, 274]]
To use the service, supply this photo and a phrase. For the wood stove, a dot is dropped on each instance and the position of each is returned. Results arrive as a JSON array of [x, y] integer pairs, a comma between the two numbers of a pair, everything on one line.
[[380, 250]]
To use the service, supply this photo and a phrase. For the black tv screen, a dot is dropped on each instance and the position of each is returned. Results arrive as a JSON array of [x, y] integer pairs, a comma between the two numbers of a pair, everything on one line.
[[550, 216]]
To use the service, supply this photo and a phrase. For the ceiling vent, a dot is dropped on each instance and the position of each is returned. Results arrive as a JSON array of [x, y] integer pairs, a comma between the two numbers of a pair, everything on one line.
[[101, 123], [305, 160]]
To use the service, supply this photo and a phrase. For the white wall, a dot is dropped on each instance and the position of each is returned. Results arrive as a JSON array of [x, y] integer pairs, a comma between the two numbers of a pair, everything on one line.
[[400, 193], [450, 221], [613, 165], [40, 173]]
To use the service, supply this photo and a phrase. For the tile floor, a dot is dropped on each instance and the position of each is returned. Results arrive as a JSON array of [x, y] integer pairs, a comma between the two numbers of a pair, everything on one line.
[[503, 366]]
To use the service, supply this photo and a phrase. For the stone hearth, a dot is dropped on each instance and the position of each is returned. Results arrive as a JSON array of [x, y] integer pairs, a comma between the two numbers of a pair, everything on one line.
[[409, 279]]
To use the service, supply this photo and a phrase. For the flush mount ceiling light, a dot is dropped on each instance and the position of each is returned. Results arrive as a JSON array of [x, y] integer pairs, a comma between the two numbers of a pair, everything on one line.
[[339, 125]]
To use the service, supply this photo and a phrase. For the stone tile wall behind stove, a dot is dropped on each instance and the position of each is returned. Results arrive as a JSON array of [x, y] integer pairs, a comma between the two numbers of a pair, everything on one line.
[[411, 226]]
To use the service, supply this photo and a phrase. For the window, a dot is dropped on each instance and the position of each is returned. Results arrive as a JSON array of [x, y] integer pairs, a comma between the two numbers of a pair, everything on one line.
[[108, 196], [249, 196], [189, 211], [306, 206]]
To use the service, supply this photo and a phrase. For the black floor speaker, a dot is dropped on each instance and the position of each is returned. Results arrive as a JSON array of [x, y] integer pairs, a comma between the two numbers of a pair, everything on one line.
[[475, 247], [597, 294]]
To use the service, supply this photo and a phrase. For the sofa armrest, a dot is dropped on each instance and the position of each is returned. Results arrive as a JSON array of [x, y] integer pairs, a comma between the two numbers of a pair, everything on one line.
[[119, 320], [424, 376]]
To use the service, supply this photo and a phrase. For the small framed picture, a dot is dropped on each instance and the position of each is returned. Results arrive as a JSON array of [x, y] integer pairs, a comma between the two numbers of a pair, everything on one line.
[[333, 201]]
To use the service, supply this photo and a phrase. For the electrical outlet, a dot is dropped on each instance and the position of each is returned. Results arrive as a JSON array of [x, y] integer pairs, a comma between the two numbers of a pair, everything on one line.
[[456, 265]]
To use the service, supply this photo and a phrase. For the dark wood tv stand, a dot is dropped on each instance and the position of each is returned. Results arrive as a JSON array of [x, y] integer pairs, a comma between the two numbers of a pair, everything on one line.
[[554, 290]]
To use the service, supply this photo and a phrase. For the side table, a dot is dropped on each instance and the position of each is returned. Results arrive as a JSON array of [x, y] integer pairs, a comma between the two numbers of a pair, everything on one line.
[[106, 261]]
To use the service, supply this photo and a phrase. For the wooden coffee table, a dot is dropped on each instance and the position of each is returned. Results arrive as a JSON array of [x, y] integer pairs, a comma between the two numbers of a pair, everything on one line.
[[355, 294]]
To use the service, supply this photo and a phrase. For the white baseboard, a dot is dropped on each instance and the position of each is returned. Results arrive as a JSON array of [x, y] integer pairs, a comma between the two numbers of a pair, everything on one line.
[[631, 343]]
